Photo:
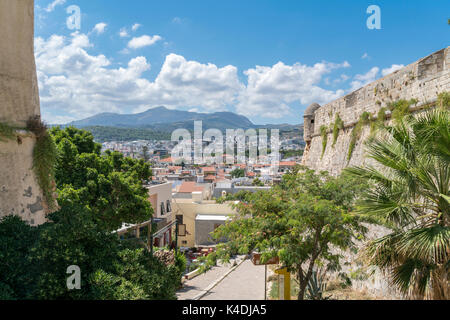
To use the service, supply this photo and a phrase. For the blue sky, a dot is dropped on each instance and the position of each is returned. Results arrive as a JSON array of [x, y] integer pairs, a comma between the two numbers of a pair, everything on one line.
[[265, 59]]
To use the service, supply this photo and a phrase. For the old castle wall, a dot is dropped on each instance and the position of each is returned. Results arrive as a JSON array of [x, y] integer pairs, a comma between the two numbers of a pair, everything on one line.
[[422, 80], [19, 100]]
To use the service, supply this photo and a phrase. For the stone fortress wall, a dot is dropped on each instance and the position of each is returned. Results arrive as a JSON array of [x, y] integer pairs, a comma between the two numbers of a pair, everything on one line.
[[19, 100], [422, 80]]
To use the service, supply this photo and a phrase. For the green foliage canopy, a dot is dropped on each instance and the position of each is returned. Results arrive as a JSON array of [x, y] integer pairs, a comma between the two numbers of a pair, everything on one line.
[[299, 221]]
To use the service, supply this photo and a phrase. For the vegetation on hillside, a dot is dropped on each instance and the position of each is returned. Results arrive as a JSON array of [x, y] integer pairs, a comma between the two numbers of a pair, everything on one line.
[[105, 134]]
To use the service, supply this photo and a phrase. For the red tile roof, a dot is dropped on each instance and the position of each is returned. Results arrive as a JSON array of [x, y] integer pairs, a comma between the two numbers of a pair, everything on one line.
[[189, 187], [288, 163]]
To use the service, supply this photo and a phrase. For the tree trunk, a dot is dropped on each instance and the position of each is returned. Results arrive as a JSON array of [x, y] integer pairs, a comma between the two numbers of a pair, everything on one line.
[[302, 284]]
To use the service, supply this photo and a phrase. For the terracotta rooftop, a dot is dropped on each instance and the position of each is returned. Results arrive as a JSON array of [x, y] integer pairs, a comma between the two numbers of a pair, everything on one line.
[[210, 177], [189, 187], [288, 163]]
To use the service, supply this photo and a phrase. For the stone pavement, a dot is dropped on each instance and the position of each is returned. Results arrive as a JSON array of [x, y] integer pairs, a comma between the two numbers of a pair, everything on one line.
[[246, 282]]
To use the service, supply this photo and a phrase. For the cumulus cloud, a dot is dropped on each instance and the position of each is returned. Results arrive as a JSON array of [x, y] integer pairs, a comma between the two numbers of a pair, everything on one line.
[[360, 80], [54, 4], [100, 28], [391, 69], [143, 41], [123, 33], [135, 26], [74, 84], [270, 90], [365, 56]]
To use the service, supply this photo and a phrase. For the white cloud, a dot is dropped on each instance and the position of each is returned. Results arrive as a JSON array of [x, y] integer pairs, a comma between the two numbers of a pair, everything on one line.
[[360, 80], [100, 28], [391, 69], [54, 4], [136, 26], [143, 41], [75, 84], [270, 90], [123, 33], [365, 56]]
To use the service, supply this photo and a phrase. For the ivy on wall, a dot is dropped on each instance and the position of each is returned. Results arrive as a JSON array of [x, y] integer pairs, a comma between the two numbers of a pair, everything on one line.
[[324, 135], [443, 100], [378, 122], [338, 125], [400, 108], [44, 159], [356, 132], [44, 154]]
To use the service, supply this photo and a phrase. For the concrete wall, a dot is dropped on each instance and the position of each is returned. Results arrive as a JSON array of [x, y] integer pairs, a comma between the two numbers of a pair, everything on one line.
[[160, 193], [422, 80], [19, 100], [189, 211], [203, 228]]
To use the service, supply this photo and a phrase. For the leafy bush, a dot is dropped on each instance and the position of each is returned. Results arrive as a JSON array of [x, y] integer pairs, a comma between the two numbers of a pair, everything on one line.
[[34, 260]]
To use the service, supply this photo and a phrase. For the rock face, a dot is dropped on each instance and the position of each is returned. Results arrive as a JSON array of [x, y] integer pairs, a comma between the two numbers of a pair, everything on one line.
[[19, 100], [422, 80]]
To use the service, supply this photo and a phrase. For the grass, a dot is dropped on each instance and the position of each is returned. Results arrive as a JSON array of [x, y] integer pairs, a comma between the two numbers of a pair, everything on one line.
[[7, 132]]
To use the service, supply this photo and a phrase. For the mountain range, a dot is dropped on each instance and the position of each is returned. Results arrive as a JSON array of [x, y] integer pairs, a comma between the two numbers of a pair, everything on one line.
[[167, 120]]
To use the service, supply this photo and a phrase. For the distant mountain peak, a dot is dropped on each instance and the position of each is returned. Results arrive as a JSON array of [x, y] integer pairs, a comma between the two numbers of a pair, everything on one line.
[[163, 118]]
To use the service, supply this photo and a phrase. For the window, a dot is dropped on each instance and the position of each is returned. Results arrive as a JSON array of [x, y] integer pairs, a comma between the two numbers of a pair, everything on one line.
[[169, 207], [182, 230], [163, 209], [179, 218]]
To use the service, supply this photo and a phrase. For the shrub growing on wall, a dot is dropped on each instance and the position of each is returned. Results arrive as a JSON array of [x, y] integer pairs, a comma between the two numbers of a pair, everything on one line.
[[338, 125], [356, 132], [324, 135]]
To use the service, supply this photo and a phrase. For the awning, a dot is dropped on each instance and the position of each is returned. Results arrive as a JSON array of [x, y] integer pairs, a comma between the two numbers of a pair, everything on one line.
[[211, 217]]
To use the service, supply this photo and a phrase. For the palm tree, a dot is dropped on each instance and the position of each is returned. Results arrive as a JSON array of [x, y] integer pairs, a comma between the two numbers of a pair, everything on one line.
[[410, 195]]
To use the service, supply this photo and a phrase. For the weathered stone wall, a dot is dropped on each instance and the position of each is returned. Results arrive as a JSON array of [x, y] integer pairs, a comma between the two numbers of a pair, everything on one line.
[[19, 100], [422, 80]]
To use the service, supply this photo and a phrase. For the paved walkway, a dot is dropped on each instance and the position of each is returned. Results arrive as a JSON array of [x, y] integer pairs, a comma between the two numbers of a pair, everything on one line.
[[194, 287], [246, 282]]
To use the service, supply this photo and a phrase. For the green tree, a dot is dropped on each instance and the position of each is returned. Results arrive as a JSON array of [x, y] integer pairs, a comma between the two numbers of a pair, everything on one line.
[[109, 185], [411, 197], [34, 260], [258, 183], [238, 173], [298, 221]]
